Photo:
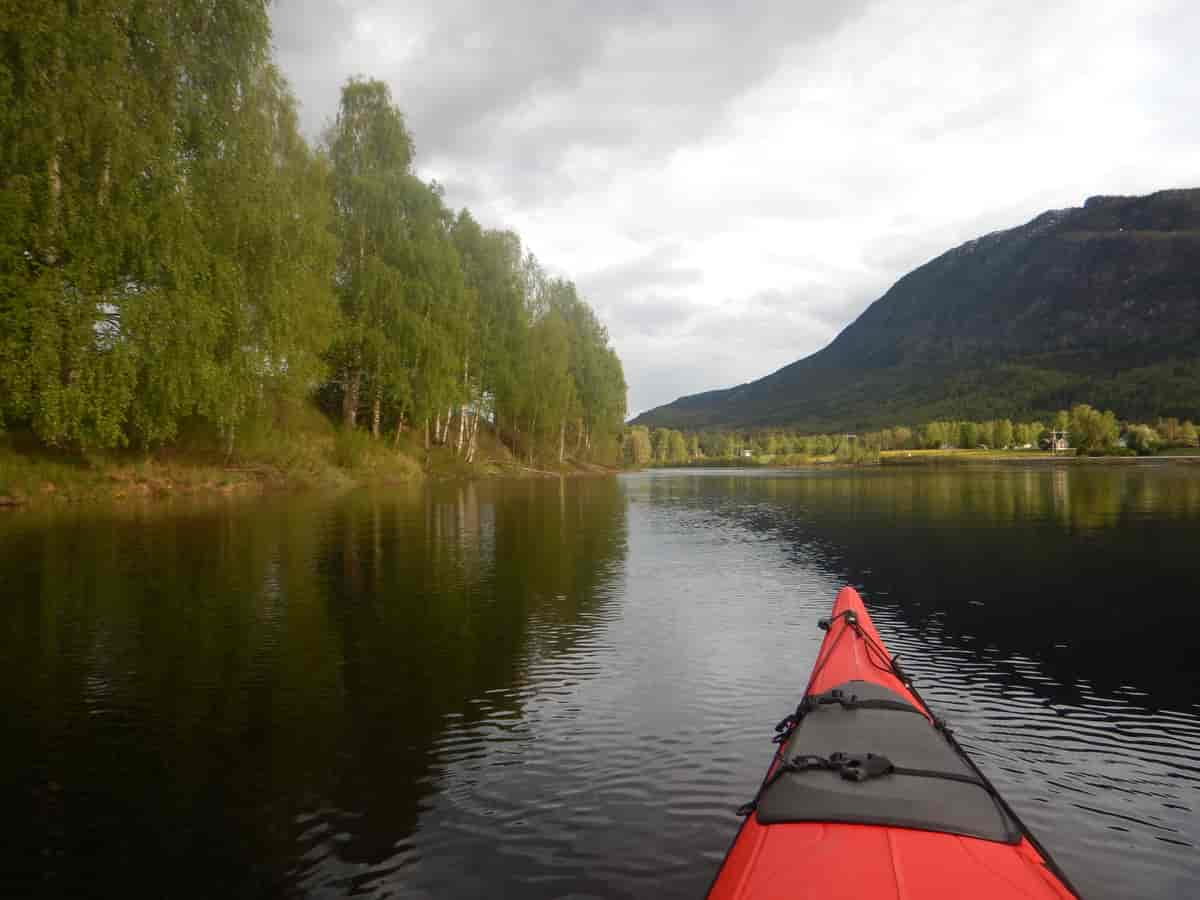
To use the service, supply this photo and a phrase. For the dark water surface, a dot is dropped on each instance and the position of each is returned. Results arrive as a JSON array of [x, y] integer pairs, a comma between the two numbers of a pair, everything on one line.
[[539, 689]]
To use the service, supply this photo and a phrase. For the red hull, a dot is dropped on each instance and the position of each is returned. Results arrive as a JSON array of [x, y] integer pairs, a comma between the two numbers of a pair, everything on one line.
[[829, 861]]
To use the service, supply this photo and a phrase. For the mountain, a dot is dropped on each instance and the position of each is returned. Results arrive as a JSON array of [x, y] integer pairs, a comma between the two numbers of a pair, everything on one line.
[[1098, 304]]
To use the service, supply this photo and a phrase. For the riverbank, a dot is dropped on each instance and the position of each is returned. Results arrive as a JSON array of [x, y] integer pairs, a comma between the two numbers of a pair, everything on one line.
[[952, 457], [314, 458], [1032, 457], [810, 462]]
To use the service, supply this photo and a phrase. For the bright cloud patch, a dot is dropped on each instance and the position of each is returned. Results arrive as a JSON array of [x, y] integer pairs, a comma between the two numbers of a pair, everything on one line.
[[731, 184]]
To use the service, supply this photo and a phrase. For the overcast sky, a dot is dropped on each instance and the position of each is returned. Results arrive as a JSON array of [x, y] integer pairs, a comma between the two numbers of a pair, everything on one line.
[[731, 183]]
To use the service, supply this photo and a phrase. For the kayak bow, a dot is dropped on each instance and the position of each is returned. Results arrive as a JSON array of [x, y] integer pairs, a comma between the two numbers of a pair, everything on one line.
[[870, 795]]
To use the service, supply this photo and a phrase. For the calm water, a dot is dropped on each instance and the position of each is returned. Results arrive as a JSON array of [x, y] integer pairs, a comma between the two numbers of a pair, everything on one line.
[[543, 689]]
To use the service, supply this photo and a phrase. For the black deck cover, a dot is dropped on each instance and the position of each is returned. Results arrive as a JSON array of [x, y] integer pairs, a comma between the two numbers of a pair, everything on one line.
[[909, 741]]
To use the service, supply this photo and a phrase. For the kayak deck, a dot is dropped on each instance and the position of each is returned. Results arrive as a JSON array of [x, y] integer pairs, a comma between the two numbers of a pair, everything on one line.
[[916, 821]]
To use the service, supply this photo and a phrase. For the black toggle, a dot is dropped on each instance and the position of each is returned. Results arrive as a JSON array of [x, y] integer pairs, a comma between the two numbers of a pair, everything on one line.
[[860, 766]]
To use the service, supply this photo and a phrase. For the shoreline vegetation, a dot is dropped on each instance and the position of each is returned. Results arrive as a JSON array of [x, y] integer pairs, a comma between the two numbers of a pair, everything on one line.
[[890, 458], [322, 458], [1081, 432], [304, 449]]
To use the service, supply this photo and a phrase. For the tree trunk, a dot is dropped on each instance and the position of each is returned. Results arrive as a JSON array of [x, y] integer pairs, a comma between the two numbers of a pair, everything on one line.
[[462, 412], [54, 176], [578, 434], [427, 432], [400, 424], [376, 411], [105, 176], [473, 442], [562, 440], [54, 170], [437, 428], [54, 179], [350, 398]]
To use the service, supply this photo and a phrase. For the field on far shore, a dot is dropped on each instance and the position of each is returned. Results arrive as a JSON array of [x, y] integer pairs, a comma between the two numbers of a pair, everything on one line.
[[917, 457]]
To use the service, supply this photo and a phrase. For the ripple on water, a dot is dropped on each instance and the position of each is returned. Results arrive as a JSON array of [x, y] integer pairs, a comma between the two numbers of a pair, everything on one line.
[[565, 689], [1080, 772]]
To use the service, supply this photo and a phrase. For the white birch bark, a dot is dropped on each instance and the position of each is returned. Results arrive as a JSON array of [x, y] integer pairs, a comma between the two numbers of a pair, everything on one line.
[[473, 443], [462, 412], [350, 398], [376, 411]]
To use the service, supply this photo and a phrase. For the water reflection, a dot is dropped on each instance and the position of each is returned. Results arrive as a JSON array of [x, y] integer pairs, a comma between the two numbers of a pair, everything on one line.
[[564, 687], [1091, 571], [1048, 612], [256, 696]]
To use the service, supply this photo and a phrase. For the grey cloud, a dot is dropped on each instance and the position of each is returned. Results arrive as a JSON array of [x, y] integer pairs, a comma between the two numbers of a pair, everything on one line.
[[811, 307], [791, 322], [808, 154], [651, 317], [518, 86], [713, 347], [656, 269]]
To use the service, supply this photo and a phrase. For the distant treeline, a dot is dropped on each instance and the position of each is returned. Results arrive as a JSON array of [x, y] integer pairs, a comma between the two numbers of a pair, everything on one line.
[[173, 252], [1085, 430]]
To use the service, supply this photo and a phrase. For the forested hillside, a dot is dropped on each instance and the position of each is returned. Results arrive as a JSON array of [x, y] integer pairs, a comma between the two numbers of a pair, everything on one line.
[[1097, 305], [175, 257]]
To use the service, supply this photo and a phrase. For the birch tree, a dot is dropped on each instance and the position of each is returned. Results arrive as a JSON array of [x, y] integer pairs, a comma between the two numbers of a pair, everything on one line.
[[371, 152]]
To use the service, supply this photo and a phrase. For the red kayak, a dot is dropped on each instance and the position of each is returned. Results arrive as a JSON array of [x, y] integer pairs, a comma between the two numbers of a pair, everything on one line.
[[870, 796]]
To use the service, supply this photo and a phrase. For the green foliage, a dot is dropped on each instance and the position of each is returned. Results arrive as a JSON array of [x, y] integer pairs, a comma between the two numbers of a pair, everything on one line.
[[1143, 439], [181, 255], [857, 452], [165, 254], [677, 451], [444, 322], [639, 450], [351, 448], [1092, 431], [1088, 431], [1188, 436], [968, 435], [1002, 433], [1175, 433]]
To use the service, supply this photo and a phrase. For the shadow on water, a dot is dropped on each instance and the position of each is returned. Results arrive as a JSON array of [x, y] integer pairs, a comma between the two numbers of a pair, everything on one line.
[[234, 701]]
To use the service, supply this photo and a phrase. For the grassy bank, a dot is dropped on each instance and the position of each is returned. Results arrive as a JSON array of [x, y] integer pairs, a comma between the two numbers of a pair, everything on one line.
[[747, 463], [790, 461], [928, 458], [301, 450], [932, 457]]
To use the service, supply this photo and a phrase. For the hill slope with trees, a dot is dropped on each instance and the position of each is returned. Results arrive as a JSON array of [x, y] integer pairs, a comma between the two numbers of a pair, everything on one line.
[[1098, 304]]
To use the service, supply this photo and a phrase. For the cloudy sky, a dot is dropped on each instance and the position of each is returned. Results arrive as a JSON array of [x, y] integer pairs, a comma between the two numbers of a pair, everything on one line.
[[730, 184]]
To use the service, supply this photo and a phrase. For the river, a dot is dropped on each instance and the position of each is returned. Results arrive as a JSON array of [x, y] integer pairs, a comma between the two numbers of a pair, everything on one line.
[[564, 688]]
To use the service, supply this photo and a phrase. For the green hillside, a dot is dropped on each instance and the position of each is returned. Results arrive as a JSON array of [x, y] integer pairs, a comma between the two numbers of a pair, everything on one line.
[[1098, 304]]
